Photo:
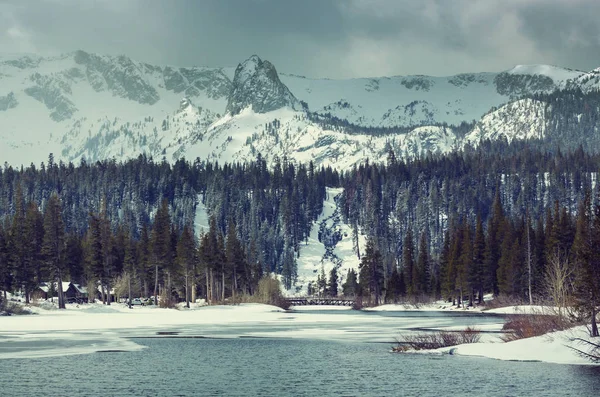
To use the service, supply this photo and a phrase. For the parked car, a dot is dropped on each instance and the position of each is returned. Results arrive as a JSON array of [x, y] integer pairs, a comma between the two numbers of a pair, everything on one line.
[[137, 302]]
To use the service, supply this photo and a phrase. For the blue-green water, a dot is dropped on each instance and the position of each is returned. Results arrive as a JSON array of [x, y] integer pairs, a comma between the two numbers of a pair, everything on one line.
[[298, 355], [286, 367]]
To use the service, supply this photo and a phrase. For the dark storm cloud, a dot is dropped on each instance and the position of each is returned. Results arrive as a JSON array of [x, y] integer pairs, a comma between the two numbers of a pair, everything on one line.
[[345, 38], [567, 31]]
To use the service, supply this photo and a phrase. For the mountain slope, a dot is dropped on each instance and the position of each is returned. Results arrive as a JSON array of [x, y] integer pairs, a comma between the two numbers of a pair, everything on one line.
[[83, 105]]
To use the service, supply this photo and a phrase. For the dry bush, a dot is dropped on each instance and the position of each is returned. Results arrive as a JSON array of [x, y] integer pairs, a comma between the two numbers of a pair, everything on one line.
[[358, 303], [438, 339], [520, 326], [269, 292], [13, 308], [164, 301], [470, 335]]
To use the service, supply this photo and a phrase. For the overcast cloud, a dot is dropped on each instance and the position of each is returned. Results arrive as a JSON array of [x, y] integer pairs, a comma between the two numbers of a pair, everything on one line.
[[317, 38]]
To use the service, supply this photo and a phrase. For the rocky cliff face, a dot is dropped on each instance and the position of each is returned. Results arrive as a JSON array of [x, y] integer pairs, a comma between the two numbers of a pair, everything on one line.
[[257, 84]]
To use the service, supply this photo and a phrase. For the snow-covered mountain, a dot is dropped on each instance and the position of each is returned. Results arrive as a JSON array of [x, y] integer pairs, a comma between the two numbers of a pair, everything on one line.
[[83, 105]]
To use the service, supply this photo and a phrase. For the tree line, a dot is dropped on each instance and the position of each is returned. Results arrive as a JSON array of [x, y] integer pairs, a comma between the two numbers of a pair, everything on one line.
[[139, 224]]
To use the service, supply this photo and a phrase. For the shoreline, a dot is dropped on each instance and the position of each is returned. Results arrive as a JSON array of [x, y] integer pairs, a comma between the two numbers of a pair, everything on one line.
[[96, 327]]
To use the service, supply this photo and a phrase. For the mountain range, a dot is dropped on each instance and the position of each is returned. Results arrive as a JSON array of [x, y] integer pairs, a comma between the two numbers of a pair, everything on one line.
[[87, 106]]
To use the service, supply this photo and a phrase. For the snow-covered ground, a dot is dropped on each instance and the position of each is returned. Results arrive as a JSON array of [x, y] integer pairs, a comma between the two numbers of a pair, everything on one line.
[[95, 327], [556, 347]]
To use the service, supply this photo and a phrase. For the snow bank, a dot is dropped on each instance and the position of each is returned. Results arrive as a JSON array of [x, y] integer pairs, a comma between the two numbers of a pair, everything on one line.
[[524, 309], [555, 347]]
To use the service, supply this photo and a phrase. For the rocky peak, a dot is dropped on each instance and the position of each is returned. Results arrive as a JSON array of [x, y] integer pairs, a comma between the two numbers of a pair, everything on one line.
[[257, 84]]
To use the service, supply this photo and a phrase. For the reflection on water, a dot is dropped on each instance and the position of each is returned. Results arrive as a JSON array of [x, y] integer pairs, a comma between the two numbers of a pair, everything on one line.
[[286, 367]]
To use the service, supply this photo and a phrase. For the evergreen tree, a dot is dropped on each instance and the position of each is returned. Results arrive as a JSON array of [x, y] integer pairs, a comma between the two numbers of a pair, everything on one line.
[[394, 287], [408, 263], [477, 271], [22, 268], [160, 246], [332, 287], [423, 266], [54, 246], [350, 286], [186, 259], [34, 234], [464, 263], [495, 236], [5, 270], [236, 261], [371, 272], [94, 256]]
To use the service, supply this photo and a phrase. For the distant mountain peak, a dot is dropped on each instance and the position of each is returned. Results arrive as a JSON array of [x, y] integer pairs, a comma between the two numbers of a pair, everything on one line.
[[257, 84]]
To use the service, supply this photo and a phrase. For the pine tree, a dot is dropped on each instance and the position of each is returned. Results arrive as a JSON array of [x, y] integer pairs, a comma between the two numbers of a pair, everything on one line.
[[5, 270], [54, 247], [495, 236], [464, 263], [19, 247], [34, 235], [322, 282], [394, 287], [408, 263], [350, 286], [446, 286], [108, 254], [424, 266], [143, 254], [186, 259], [74, 258], [129, 264], [332, 287], [94, 254], [477, 270], [160, 245], [371, 272]]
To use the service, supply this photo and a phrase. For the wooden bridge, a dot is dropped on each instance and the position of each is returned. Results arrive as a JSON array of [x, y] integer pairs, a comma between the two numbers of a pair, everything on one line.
[[324, 301]]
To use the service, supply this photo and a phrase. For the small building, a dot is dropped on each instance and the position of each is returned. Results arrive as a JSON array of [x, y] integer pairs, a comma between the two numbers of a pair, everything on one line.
[[72, 292], [75, 293], [41, 292]]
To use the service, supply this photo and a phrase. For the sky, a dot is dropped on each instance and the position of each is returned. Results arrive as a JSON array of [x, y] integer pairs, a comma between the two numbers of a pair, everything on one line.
[[315, 38]]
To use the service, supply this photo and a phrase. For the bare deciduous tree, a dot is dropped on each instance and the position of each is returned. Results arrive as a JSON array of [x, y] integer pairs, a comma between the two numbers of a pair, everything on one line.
[[558, 280]]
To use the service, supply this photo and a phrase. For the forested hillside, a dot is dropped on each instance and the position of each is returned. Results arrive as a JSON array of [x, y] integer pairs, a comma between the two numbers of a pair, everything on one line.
[[466, 222]]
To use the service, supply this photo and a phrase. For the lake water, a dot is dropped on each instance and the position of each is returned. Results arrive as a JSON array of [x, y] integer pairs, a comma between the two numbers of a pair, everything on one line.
[[235, 362]]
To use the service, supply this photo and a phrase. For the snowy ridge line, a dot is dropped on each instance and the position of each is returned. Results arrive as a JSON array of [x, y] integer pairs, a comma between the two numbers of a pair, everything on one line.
[[83, 105]]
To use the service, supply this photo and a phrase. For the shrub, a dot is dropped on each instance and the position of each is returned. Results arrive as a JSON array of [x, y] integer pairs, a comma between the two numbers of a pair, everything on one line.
[[470, 335], [437, 339], [166, 302], [358, 303], [269, 292], [521, 326], [10, 308]]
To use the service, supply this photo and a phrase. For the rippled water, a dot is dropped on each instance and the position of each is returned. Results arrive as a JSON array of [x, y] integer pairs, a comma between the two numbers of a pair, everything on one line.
[[322, 354], [286, 367]]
